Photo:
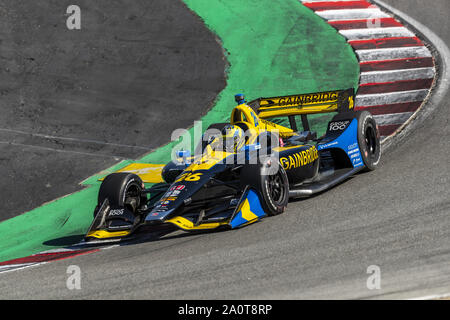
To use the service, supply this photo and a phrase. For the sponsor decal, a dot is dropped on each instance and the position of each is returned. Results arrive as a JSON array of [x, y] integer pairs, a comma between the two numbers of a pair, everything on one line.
[[324, 146], [171, 198], [158, 209], [116, 212], [353, 152], [301, 99], [170, 195], [353, 146], [357, 161], [338, 125], [179, 187], [300, 159], [174, 191]]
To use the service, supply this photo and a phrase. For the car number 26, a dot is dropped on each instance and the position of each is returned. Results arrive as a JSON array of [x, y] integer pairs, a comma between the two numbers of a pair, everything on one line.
[[190, 176]]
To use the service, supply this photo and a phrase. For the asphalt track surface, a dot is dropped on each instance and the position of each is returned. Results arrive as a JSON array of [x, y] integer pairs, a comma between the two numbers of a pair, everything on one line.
[[395, 218], [69, 97]]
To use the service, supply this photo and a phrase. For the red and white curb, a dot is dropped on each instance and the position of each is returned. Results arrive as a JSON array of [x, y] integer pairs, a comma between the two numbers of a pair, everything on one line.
[[397, 69], [42, 258], [57, 254]]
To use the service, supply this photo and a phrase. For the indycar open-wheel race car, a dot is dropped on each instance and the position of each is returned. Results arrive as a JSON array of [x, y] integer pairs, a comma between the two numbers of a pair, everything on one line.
[[244, 170]]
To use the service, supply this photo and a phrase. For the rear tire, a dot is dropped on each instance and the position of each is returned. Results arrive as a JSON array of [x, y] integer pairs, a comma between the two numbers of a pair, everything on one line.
[[369, 140], [271, 184]]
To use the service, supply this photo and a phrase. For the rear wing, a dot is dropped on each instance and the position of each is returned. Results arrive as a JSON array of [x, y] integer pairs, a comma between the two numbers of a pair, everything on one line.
[[303, 104]]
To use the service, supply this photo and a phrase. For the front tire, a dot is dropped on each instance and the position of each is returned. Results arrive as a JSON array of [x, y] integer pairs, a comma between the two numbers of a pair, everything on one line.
[[122, 189]]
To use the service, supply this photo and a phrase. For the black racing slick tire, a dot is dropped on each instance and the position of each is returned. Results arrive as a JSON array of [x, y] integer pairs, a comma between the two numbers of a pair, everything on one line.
[[122, 189], [271, 183], [369, 140]]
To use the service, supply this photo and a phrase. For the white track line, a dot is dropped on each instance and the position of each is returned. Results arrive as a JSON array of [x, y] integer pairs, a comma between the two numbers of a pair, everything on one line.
[[433, 297], [57, 250], [379, 99], [62, 150], [351, 14], [46, 136], [396, 75], [15, 266], [393, 53], [376, 33]]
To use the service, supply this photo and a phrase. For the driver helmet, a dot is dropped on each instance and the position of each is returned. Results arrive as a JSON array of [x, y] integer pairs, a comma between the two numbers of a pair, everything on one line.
[[233, 138]]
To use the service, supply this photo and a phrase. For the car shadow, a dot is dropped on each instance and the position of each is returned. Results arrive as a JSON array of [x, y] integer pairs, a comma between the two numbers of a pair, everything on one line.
[[64, 241], [139, 237]]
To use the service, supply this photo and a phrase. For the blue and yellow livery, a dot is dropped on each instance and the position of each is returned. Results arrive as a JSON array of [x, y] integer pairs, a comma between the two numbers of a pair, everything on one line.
[[243, 170]]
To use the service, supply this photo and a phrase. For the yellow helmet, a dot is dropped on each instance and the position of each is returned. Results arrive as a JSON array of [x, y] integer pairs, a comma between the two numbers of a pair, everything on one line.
[[233, 138]]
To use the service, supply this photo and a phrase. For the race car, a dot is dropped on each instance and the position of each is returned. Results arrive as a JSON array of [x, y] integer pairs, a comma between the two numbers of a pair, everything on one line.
[[243, 170]]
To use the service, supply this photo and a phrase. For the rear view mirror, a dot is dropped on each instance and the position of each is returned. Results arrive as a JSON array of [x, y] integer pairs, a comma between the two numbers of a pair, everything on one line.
[[185, 155]]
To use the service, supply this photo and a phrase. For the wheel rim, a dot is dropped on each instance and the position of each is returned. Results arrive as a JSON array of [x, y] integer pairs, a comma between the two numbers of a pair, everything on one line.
[[276, 188], [132, 197], [371, 141]]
